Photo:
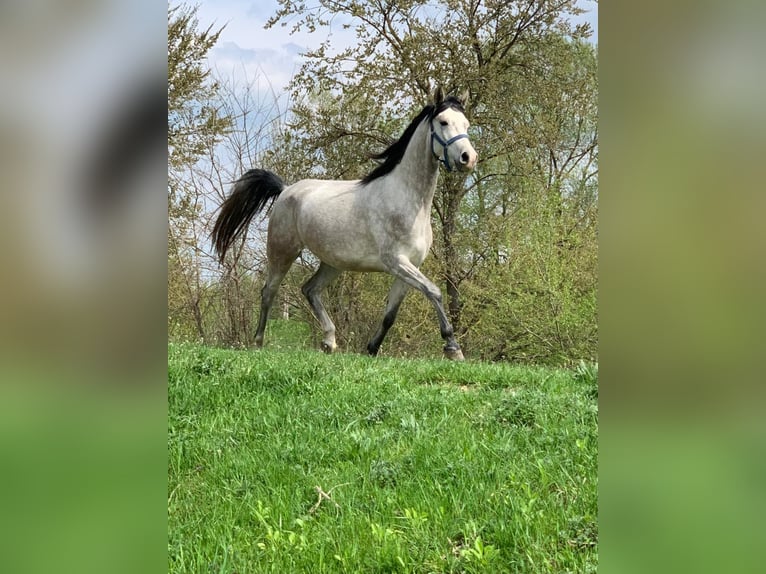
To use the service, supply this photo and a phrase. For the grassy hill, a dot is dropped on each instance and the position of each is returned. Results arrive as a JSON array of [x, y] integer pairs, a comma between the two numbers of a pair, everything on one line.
[[293, 461]]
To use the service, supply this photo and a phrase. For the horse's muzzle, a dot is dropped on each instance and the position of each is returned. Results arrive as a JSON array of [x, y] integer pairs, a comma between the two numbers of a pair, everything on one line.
[[467, 160]]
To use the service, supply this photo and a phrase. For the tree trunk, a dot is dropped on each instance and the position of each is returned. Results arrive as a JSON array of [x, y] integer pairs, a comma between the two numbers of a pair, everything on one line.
[[198, 318], [451, 202]]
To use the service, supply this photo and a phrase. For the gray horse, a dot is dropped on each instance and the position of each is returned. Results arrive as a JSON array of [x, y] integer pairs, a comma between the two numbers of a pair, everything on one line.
[[379, 223]]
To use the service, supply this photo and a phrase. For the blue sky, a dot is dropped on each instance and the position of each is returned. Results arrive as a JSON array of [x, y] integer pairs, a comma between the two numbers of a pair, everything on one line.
[[247, 52]]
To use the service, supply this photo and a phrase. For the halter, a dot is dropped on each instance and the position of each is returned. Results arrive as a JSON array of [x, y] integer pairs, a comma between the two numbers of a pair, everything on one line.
[[445, 145]]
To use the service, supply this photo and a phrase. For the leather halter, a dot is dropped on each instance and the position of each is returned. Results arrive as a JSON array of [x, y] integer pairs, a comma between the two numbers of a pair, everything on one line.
[[444, 144]]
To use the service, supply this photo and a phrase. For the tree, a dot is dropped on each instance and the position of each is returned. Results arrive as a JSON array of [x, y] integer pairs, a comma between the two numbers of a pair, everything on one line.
[[532, 81], [194, 125], [192, 122]]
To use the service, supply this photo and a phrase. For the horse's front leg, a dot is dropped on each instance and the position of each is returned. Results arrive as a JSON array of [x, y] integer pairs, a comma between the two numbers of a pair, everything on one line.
[[402, 268]]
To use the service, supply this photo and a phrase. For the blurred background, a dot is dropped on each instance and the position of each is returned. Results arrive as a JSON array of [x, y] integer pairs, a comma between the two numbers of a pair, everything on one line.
[[81, 168], [681, 287], [82, 257]]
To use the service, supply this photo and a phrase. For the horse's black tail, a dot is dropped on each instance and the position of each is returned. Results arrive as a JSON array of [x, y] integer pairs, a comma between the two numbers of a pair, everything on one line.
[[249, 196]]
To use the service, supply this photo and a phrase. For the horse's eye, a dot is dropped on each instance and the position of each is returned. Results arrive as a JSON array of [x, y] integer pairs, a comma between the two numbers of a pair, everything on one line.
[[442, 122]]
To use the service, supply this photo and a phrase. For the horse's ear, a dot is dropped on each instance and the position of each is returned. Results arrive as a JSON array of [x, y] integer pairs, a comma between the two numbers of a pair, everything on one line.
[[463, 98], [438, 95]]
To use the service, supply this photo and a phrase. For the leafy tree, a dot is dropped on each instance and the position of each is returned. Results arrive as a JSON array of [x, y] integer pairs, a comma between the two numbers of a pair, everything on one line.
[[192, 121], [514, 241], [194, 125]]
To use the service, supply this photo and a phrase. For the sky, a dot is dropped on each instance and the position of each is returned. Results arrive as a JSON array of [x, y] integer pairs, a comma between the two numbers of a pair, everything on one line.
[[269, 58]]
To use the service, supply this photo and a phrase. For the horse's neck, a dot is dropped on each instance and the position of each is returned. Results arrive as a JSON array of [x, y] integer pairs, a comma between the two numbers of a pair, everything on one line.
[[416, 174]]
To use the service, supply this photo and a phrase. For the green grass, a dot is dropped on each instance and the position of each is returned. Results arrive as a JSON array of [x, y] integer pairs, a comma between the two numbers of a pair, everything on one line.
[[430, 466]]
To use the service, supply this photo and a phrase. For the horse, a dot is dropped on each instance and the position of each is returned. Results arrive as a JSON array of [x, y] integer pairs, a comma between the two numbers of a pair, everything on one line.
[[380, 223]]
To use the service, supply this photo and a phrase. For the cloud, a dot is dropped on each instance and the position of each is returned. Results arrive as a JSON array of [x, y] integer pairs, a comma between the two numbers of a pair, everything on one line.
[[247, 50], [293, 48], [274, 65]]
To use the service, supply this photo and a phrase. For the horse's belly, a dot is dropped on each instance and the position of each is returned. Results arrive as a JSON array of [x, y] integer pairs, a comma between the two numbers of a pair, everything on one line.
[[348, 256], [341, 245]]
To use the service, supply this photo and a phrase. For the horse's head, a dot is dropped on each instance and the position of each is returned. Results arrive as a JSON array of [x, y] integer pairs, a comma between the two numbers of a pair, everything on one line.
[[449, 137]]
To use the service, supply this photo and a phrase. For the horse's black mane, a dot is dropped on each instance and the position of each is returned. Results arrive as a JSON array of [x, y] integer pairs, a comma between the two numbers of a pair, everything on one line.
[[394, 153]]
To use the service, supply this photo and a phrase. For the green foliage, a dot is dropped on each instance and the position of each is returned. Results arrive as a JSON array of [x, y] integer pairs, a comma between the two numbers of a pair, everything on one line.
[[421, 471], [192, 121], [515, 243]]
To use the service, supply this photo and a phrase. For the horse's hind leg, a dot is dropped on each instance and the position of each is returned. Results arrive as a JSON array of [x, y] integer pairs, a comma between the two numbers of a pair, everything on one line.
[[395, 297], [312, 289], [275, 271]]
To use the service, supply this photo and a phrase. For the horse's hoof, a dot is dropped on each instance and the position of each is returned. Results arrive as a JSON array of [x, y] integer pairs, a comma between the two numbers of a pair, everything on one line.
[[454, 354], [328, 348]]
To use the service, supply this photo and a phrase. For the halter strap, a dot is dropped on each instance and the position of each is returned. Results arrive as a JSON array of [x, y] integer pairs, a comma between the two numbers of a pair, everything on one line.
[[444, 144]]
